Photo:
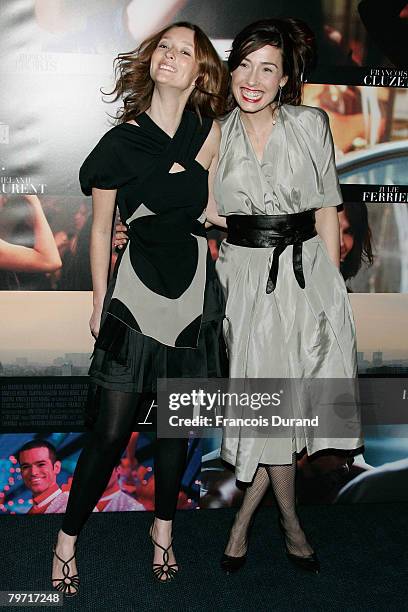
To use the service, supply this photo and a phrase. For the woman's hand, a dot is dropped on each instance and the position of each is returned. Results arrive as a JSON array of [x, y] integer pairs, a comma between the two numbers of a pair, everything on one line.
[[121, 237], [95, 321]]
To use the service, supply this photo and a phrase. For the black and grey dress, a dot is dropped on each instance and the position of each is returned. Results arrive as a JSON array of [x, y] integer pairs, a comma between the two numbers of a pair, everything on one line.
[[163, 310]]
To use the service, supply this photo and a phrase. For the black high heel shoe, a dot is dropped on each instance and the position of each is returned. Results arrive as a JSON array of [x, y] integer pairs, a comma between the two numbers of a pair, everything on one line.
[[230, 565], [68, 585], [164, 569], [309, 564]]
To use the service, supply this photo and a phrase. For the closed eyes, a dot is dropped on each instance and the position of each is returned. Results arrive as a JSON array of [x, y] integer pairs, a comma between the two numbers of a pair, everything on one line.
[[166, 46]]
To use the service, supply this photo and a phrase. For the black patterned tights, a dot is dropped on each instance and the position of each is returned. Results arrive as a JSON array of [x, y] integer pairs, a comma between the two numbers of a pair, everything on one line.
[[282, 479]]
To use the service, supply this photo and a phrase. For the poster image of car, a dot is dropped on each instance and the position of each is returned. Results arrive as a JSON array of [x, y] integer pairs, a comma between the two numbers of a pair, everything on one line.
[[36, 473], [370, 134]]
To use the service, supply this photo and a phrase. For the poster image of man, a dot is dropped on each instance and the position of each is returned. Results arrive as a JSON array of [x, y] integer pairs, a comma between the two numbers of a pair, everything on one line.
[[36, 478], [39, 469], [40, 466]]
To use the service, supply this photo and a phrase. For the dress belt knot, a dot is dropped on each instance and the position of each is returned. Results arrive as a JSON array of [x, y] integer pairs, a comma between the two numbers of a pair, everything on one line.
[[279, 231]]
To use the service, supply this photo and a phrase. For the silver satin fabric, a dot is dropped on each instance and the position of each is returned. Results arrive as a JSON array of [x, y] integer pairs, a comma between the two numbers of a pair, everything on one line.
[[291, 332]]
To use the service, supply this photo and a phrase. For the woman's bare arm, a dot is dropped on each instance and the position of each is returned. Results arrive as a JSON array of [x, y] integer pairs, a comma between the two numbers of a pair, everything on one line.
[[103, 204], [327, 226], [211, 210], [43, 257]]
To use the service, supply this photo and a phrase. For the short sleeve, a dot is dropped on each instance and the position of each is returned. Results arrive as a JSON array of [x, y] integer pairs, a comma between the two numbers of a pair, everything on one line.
[[330, 181], [102, 168]]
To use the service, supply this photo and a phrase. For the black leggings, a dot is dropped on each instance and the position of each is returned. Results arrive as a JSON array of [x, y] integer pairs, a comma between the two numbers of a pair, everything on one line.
[[103, 448]]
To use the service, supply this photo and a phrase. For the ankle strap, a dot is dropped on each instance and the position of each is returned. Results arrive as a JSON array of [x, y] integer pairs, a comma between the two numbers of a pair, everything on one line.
[[159, 545], [63, 560]]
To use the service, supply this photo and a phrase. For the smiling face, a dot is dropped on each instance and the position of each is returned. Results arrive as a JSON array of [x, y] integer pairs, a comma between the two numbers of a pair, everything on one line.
[[256, 81], [37, 469], [173, 62], [346, 235]]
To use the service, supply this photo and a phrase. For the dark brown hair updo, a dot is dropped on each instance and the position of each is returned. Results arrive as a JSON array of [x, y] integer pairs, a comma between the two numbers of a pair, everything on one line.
[[296, 42], [134, 84]]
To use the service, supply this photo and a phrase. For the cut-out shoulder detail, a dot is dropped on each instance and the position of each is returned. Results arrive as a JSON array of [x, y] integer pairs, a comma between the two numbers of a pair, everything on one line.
[[208, 148], [176, 168]]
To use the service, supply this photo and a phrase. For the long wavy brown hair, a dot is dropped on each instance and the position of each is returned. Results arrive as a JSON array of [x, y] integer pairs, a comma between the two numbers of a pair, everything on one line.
[[135, 86], [296, 42]]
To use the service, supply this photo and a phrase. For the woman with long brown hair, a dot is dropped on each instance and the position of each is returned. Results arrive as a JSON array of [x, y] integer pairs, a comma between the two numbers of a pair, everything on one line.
[[161, 314]]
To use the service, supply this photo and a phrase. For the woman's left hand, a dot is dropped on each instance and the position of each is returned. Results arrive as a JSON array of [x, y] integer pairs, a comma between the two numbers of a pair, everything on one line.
[[95, 321], [121, 237]]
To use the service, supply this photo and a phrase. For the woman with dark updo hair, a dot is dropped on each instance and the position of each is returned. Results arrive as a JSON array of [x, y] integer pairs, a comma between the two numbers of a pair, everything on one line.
[[287, 312]]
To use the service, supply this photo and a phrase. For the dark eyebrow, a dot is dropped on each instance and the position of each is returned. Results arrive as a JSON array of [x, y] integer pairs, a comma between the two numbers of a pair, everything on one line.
[[246, 59], [26, 464]]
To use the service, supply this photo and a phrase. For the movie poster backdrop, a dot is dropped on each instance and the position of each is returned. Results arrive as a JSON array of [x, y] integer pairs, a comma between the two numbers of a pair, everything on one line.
[[56, 55]]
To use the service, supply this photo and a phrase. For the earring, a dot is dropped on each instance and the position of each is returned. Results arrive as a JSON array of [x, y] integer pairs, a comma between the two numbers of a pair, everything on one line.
[[278, 105], [302, 73], [280, 96]]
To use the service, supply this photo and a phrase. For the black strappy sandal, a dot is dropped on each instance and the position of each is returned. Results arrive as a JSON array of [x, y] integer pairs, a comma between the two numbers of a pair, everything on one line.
[[164, 569], [68, 585]]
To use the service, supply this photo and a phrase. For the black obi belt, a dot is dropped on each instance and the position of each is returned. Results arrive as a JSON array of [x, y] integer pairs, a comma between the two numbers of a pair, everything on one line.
[[279, 231]]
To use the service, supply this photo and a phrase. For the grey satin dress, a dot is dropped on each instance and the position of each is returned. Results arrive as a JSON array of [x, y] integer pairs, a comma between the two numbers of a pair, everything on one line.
[[291, 332]]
